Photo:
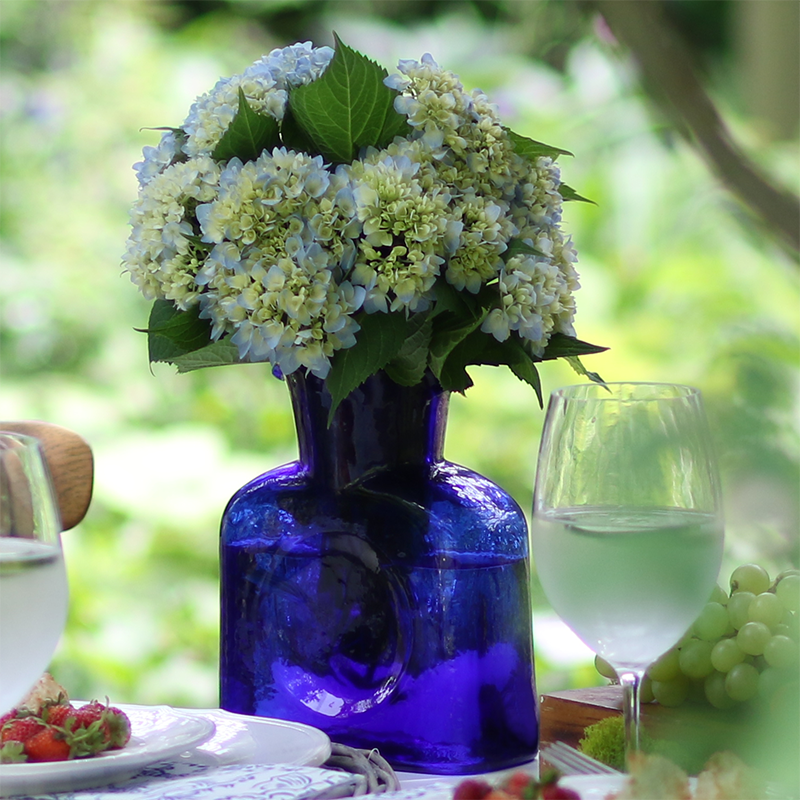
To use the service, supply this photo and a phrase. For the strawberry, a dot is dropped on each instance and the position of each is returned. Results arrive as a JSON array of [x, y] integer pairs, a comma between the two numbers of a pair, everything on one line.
[[61, 715], [120, 728], [472, 789], [20, 729], [92, 731], [48, 744], [521, 785], [552, 791], [7, 717]]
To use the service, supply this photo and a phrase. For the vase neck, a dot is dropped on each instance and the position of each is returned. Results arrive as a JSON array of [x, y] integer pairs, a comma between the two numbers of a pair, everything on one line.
[[378, 425]]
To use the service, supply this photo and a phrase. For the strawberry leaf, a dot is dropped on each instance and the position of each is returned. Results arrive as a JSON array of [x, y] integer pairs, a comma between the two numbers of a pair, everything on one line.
[[348, 107]]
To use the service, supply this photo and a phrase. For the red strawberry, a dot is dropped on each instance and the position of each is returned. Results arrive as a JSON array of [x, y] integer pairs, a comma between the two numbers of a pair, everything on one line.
[[20, 729], [92, 731], [552, 791], [7, 717], [61, 715], [472, 789], [120, 728], [48, 745], [521, 785]]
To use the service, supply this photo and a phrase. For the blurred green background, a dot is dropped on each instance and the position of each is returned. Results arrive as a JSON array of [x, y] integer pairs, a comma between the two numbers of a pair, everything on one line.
[[680, 278]]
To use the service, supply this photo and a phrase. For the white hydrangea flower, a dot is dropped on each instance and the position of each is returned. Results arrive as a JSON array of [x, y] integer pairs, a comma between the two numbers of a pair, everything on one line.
[[406, 232], [163, 253], [485, 230], [282, 252], [532, 291], [157, 159], [264, 83]]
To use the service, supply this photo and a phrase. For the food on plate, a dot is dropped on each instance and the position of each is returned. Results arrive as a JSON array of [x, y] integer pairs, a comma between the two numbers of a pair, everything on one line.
[[47, 727], [654, 777], [518, 786]]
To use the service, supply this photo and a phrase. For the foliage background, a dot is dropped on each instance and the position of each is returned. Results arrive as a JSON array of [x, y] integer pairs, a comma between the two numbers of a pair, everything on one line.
[[677, 281]]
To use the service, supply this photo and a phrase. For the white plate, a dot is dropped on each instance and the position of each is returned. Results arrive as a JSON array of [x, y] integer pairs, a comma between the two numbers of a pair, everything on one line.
[[242, 739], [597, 787], [158, 733]]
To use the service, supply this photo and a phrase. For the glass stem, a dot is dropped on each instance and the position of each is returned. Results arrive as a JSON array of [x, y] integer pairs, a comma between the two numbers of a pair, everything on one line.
[[631, 681]]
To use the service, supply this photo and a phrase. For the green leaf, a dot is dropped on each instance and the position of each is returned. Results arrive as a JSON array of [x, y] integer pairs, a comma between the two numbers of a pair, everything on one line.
[[568, 193], [380, 339], [449, 330], [293, 136], [531, 149], [563, 346], [575, 363], [409, 365], [517, 247], [347, 107], [248, 135], [172, 332], [480, 348], [216, 354]]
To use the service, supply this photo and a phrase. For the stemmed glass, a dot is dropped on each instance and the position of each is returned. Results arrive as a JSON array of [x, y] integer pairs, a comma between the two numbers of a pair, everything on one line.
[[627, 529], [33, 581]]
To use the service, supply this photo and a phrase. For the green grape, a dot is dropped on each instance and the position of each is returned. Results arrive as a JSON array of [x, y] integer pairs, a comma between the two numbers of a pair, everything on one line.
[[604, 668], [671, 693], [788, 592], [695, 659], [792, 623], [738, 608], [646, 691], [766, 608], [666, 667], [782, 652], [749, 578], [718, 595], [714, 688], [712, 622], [753, 638], [726, 654], [741, 683]]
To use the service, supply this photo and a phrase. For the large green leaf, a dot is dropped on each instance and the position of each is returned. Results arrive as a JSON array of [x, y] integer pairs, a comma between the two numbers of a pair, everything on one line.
[[347, 107], [172, 332], [563, 346], [531, 149], [248, 135], [482, 349], [568, 193], [409, 365], [380, 339], [217, 354]]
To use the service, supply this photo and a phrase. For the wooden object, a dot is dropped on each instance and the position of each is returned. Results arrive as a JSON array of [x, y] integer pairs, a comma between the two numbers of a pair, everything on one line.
[[698, 729], [564, 715], [71, 464]]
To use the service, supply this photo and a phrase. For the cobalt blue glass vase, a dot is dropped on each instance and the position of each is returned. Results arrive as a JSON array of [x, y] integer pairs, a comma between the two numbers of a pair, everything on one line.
[[378, 592]]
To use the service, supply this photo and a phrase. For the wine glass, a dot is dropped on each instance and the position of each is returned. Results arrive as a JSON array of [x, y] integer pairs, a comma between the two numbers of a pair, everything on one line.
[[627, 529], [33, 580]]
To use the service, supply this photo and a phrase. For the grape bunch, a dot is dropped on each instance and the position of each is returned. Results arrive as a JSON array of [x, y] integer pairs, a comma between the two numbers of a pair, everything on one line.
[[743, 646]]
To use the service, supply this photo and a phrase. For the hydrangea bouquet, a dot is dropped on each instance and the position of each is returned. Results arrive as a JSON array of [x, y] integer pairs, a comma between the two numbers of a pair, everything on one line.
[[316, 213]]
